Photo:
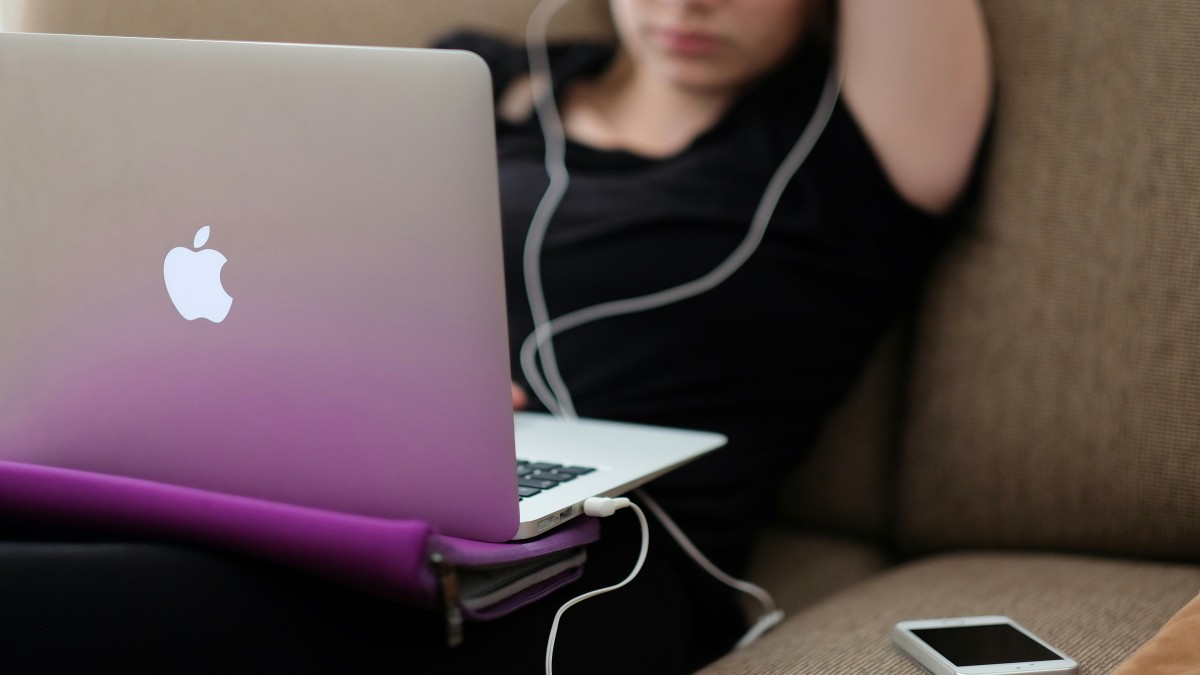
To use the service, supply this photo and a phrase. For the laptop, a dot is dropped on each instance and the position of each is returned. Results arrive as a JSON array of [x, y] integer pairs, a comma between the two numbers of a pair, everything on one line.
[[275, 271]]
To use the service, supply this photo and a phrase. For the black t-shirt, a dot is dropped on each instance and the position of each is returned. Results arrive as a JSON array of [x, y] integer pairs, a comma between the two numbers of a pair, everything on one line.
[[764, 356]]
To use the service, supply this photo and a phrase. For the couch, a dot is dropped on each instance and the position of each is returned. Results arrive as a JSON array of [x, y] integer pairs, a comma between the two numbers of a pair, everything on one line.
[[1026, 441]]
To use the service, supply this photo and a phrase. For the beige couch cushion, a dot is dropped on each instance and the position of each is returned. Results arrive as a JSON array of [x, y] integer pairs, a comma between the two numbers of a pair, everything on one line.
[[1097, 611], [801, 569], [1056, 401]]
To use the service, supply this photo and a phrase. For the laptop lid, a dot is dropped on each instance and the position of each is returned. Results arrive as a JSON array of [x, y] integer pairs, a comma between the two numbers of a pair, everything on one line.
[[269, 270], [275, 271]]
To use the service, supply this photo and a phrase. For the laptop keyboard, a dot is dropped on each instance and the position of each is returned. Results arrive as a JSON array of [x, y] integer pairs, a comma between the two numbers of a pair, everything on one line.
[[534, 477]]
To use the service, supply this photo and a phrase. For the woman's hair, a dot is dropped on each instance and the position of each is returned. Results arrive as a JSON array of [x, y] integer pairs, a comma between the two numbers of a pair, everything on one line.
[[821, 29]]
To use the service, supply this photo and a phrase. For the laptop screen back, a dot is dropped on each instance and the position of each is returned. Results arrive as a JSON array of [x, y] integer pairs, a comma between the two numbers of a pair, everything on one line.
[[269, 270]]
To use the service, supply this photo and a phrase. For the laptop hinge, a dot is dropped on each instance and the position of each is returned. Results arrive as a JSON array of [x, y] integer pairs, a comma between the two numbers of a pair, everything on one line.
[[451, 611]]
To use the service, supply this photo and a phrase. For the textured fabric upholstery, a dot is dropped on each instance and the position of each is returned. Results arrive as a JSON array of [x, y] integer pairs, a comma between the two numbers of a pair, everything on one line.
[[799, 569], [1097, 611], [1057, 388]]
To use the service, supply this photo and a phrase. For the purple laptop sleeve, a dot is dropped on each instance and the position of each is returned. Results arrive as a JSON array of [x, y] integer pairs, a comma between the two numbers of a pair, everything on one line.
[[390, 558]]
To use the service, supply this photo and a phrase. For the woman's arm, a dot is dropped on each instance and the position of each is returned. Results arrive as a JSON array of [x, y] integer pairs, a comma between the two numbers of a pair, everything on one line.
[[917, 76]]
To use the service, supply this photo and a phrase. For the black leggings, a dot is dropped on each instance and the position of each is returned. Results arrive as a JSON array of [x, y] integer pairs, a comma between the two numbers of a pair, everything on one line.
[[144, 607]]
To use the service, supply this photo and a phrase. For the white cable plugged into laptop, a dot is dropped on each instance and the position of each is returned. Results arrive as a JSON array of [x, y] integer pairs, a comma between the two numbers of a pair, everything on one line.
[[601, 507]]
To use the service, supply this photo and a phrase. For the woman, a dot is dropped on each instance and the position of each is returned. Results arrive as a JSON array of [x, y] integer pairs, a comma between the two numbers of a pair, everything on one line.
[[672, 139]]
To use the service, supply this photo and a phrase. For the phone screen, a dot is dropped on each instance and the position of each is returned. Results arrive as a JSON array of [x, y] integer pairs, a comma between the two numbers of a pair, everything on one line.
[[984, 645]]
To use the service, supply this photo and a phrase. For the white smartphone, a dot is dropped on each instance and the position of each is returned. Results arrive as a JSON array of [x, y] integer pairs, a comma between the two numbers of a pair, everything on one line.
[[978, 645]]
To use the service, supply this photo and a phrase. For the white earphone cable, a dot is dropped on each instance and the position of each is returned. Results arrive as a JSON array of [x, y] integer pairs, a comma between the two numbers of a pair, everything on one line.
[[539, 345], [770, 616], [552, 390]]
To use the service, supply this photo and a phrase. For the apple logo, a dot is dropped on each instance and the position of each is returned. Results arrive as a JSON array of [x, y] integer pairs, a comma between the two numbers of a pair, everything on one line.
[[194, 280]]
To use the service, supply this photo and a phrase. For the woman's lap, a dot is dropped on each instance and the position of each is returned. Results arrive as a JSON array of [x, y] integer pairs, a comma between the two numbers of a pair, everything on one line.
[[672, 618], [148, 607]]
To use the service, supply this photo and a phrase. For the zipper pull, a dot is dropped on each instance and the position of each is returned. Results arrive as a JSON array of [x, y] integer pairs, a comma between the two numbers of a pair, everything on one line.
[[448, 583]]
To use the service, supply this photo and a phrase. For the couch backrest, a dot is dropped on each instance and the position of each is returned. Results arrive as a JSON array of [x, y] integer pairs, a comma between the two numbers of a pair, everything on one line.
[[1056, 398], [399, 23]]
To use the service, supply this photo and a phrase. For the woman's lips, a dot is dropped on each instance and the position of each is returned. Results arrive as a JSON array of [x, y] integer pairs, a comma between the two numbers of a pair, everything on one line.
[[686, 43]]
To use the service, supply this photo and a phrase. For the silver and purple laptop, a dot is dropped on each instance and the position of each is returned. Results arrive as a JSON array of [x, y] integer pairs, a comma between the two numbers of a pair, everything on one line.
[[275, 271]]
